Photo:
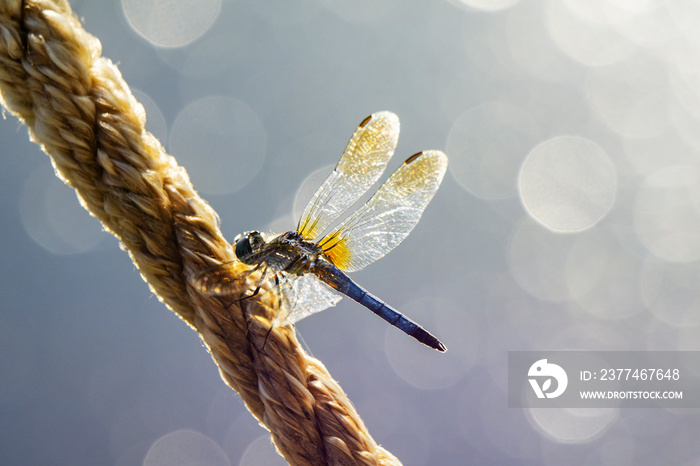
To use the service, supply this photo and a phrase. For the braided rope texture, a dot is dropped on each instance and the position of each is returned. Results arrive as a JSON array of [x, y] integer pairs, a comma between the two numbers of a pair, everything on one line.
[[81, 112]]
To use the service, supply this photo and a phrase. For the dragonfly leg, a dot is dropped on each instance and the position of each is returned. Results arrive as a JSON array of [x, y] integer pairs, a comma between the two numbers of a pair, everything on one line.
[[257, 287], [279, 306]]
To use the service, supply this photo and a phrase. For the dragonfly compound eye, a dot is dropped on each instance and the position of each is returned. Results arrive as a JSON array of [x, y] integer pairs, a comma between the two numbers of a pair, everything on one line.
[[244, 246]]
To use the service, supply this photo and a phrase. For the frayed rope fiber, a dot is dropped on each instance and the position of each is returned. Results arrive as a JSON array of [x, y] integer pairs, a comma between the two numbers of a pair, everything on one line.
[[81, 112]]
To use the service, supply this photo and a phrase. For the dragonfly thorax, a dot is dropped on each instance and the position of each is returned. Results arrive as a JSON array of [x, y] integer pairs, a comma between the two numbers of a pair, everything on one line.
[[288, 252], [247, 245], [293, 254]]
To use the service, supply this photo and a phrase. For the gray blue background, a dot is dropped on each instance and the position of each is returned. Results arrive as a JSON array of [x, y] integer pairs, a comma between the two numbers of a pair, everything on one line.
[[568, 220]]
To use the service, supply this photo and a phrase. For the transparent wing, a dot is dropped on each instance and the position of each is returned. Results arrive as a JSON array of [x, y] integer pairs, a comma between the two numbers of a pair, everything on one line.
[[300, 295], [361, 165], [389, 216], [303, 295], [220, 279]]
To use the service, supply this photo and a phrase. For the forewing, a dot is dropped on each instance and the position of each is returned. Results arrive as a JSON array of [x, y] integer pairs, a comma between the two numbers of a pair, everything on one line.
[[303, 295], [361, 165], [389, 216]]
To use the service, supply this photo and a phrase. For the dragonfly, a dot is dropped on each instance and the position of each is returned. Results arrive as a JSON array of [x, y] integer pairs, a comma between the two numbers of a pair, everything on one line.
[[309, 265]]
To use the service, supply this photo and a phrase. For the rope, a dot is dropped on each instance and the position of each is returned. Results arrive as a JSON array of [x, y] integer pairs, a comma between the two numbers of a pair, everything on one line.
[[81, 112]]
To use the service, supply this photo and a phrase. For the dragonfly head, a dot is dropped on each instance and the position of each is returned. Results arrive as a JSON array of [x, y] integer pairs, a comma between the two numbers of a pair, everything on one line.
[[247, 244]]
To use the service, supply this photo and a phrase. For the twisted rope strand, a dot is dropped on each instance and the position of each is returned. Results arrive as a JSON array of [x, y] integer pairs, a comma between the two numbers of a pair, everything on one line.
[[81, 112]]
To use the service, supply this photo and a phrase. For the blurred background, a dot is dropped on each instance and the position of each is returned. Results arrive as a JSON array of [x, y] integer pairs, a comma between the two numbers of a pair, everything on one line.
[[569, 219]]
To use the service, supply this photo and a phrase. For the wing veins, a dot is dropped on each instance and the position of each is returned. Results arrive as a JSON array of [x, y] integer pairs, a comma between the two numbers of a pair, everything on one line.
[[389, 215], [362, 163]]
